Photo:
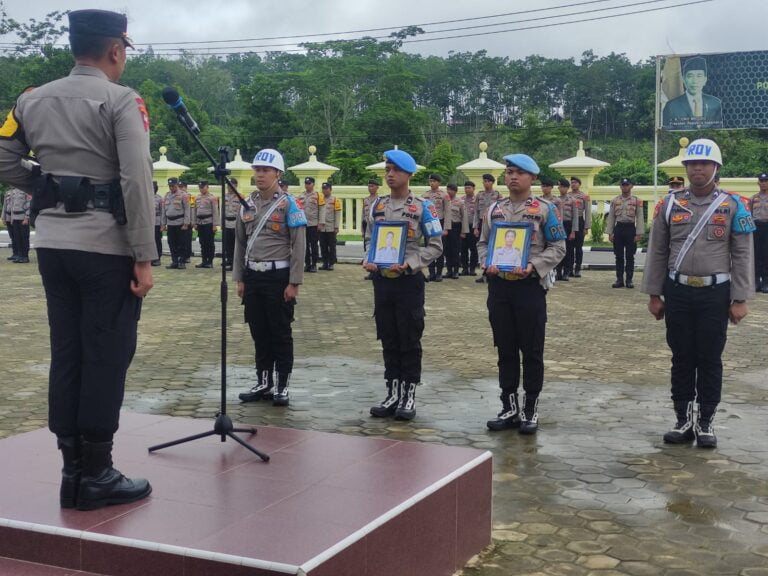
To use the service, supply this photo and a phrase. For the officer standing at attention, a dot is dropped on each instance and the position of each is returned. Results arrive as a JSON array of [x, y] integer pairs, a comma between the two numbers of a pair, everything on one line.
[[625, 227], [517, 306], [94, 244], [269, 249], [187, 232], [398, 291], [373, 195], [700, 260], [582, 221], [440, 200], [206, 217], [469, 240], [313, 205], [231, 208], [329, 227], [565, 267], [8, 227], [176, 220], [457, 233], [19, 220], [759, 208], [485, 199], [158, 224]]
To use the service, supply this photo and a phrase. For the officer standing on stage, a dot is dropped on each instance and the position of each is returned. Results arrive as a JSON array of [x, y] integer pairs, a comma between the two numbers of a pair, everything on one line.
[[94, 244], [313, 205], [759, 208], [158, 224], [457, 233], [441, 202], [206, 218], [485, 199], [625, 227], [231, 208], [398, 291], [700, 261], [18, 205], [517, 306], [469, 240], [582, 221], [269, 249], [328, 228], [368, 201], [176, 220]]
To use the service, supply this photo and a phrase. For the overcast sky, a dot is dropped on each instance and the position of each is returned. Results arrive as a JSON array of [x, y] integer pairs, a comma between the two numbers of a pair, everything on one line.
[[714, 26]]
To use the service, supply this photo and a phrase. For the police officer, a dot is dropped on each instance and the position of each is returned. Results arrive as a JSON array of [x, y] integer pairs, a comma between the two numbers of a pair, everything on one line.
[[441, 202], [158, 224], [186, 233], [94, 243], [329, 227], [269, 248], [457, 233], [625, 227], [368, 201], [759, 208], [469, 240], [581, 222], [398, 291], [313, 205], [564, 268], [700, 261], [8, 226], [676, 183], [19, 222], [231, 208], [176, 220], [517, 306], [283, 185], [206, 217], [485, 199]]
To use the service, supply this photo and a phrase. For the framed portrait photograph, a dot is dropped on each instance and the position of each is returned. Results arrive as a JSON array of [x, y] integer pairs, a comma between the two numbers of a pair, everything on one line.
[[388, 243], [508, 245]]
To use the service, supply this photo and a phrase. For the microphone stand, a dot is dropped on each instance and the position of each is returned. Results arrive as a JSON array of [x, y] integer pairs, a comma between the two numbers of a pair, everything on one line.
[[223, 426]]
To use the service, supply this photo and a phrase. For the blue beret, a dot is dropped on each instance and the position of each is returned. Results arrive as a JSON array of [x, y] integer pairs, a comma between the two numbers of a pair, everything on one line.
[[401, 159], [524, 162]]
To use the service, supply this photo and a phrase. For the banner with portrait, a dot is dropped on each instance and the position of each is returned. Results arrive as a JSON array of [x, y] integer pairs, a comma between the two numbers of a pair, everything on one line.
[[713, 91]]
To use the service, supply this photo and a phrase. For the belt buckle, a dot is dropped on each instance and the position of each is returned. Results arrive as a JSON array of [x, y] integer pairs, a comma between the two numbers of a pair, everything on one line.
[[509, 276], [387, 273], [695, 281]]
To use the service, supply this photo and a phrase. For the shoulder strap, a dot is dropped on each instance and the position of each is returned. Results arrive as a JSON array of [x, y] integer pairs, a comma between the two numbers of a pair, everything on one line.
[[696, 232], [260, 226]]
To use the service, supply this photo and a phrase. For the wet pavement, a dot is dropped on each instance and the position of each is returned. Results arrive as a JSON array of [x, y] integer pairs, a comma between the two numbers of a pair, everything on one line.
[[596, 492]]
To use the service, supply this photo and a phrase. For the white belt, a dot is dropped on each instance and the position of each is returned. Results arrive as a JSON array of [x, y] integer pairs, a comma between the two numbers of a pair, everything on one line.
[[269, 265], [699, 281]]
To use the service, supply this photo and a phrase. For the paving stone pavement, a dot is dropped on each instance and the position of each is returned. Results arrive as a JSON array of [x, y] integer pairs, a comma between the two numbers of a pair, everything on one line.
[[596, 492]]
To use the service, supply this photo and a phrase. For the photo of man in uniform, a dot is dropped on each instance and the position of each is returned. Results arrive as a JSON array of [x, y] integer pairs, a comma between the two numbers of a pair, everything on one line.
[[388, 253], [507, 254], [693, 109]]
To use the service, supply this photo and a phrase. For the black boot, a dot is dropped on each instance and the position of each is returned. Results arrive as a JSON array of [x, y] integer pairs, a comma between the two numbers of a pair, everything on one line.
[[619, 282], [705, 433], [577, 272], [455, 273], [530, 416], [464, 271], [71, 453], [472, 272], [174, 265], [280, 397], [406, 407], [389, 405], [101, 484], [509, 417], [480, 280], [630, 284], [263, 388], [682, 432]]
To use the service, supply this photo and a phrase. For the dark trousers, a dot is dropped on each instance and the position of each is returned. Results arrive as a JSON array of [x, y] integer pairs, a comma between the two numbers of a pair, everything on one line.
[[269, 318], [452, 246], [624, 248], [399, 314], [311, 251], [93, 317], [11, 237], [187, 243], [578, 246], [567, 262], [436, 267], [228, 238], [21, 238], [205, 237], [176, 243], [469, 251], [697, 325], [328, 247], [159, 241], [518, 314], [761, 252]]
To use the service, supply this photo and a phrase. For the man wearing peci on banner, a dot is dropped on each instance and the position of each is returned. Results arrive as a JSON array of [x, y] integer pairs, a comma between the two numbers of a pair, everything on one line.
[[693, 109]]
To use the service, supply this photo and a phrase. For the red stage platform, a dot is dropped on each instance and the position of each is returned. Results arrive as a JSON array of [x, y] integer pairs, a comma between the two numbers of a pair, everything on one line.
[[325, 505]]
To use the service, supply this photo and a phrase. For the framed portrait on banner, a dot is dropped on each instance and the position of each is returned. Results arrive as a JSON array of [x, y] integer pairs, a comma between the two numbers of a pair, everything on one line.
[[388, 243], [508, 245]]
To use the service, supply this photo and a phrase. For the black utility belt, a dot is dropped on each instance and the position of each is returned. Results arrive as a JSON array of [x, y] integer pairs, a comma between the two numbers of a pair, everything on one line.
[[174, 217], [231, 218], [78, 195], [20, 212], [625, 224], [204, 217]]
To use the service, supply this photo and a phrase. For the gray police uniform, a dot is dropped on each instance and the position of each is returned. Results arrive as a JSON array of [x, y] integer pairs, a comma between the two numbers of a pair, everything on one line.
[[485, 199], [17, 202], [8, 226], [625, 223], [206, 217], [759, 208], [328, 227], [177, 214], [231, 208], [459, 225], [442, 203], [159, 203], [469, 242], [313, 204]]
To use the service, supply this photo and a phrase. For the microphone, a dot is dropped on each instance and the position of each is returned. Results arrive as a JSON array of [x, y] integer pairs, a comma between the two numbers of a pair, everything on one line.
[[172, 98]]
